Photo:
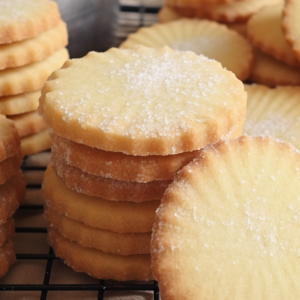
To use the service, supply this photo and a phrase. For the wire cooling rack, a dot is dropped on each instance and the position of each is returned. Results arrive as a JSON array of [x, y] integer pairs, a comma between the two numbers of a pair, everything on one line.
[[132, 15]]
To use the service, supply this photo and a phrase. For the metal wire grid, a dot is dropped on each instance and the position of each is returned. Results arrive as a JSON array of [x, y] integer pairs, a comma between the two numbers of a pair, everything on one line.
[[45, 287]]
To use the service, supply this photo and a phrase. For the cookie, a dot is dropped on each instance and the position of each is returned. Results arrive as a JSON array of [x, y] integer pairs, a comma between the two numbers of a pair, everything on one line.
[[239, 27], [7, 257], [12, 193], [121, 217], [23, 19], [30, 77], [19, 104], [274, 112], [36, 143], [196, 3], [106, 188], [264, 31], [28, 123], [35, 49], [7, 231], [104, 240], [153, 101], [120, 166], [99, 264], [290, 25], [10, 166], [9, 139], [269, 71], [239, 11], [166, 14], [227, 228], [208, 38]]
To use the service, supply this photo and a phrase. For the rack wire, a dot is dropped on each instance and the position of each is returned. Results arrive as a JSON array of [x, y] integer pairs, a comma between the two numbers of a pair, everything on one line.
[[132, 15]]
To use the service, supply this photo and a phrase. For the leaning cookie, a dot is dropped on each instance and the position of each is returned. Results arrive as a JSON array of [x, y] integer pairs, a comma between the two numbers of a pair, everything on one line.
[[230, 221], [7, 231], [10, 166], [7, 256]]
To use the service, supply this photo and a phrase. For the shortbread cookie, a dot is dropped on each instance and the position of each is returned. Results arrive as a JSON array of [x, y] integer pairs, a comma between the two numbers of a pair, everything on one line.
[[227, 228], [121, 217], [274, 112], [9, 139], [167, 14], [110, 189], [196, 3], [143, 101], [104, 240], [99, 264], [290, 25], [264, 31], [239, 11], [269, 71], [10, 166], [208, 38], [30, 77], [36, 143], [7, 257], [120, 166], [7, 231], [23, 19], [28, 123], [12, 193], [19, 104], [35, 49]]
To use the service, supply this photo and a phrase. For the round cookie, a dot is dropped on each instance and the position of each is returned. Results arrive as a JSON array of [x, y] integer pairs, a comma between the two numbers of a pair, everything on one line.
[[12, 193], [35, 49], [7, 257], [9, 139], [121, 217], [30, 77], [104, 240], [208, 38], [265, 32], [23, 19], [196, 3], [290, 25], [274, 112], [269, 71], [227, 228], [10, 166], [19, 104], [99, 264], [106, 188], [36, 143], [143, 101], [120, 166], [28, 123], [7, 231]]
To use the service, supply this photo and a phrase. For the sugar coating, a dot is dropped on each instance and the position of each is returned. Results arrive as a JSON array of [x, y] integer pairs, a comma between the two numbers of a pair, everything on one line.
[[143, 94], [230, 221]]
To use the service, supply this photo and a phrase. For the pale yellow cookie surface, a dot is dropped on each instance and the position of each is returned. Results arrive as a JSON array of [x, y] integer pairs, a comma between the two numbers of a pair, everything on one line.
[[35, 49], [122, 217], [196, 3], [272, 72], [30, 77], [208, 38], [143, 101], [104, 240], [19, 104], [23, 19], [274, 112], [265, 32], [227, 228], [100, 264], [28, 123], [36, 143], [290, 24]]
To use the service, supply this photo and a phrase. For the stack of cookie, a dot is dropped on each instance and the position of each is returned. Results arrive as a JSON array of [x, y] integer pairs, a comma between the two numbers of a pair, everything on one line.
[[233, 13], [122, 124], [12, 189], [32, 41]]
